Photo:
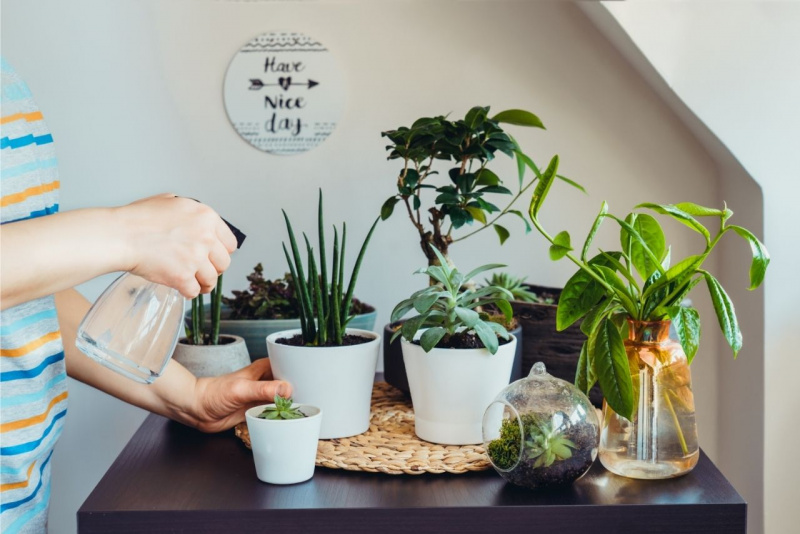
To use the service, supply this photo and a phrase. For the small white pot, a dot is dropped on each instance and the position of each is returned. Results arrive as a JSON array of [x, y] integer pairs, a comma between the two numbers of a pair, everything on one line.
[[451, 389], [284, 451], [213, 360], [337, 379]]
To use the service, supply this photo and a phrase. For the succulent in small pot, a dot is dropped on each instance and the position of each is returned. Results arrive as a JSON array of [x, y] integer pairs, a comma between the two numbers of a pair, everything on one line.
[[328, 364], [541, 431], [284, 439], [204, 352], [456, 359], [626, 301]]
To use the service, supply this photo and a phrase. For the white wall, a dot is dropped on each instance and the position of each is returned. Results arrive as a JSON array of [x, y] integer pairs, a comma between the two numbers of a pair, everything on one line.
[[132, 93], [737, 67]]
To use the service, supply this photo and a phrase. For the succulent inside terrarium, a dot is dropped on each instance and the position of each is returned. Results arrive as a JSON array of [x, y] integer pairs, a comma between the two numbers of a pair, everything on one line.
[[541, 431], [283, 409]]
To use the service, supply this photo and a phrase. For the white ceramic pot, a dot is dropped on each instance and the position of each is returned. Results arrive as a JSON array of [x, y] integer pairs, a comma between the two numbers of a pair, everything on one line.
[[451, 389], [284, 451], [337, 379], [213, 360]]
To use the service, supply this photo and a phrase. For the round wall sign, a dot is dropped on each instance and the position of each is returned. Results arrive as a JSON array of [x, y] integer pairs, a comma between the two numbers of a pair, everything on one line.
[[283, 92]]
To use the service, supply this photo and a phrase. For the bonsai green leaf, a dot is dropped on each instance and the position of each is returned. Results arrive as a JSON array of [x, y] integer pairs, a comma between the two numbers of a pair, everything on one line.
[[502, 232], [595, 227], [573, 183], [520, 167], [487, 336], [725, 314], [487, 177], [561, 246], [388, 207], [611, 363], [522, 217], [680, 216], [519, 117], [477, 213], [431, 337], [686, 322], [467, 316], [475, 117], [585, 377], [652, 234], [758, 267], [543, 187]]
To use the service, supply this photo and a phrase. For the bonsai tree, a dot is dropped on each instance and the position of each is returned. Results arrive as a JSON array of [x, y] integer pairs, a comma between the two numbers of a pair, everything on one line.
[[196, 334], [451, 315], [325, 305], [272, 299], [640, 282], [282, 410], [469, 145]]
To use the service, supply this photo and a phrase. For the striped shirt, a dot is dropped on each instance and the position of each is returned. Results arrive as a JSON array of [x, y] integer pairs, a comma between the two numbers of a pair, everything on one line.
[[33, 391]]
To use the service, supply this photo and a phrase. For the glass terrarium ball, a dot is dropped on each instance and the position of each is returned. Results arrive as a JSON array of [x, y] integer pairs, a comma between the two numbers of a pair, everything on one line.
[[541, 431]]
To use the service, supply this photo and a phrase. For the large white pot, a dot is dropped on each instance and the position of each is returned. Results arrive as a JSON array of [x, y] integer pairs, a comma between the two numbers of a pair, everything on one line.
[[451, 389], [284, 451], [212, 360], [337, 379]]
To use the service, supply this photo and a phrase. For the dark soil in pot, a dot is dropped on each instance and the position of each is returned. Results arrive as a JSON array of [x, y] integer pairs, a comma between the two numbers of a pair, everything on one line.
[[348, 339], [461, 340], [559, 351]]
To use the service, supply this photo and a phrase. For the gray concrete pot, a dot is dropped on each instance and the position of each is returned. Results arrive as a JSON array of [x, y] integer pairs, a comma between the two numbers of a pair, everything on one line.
[[212, 360]]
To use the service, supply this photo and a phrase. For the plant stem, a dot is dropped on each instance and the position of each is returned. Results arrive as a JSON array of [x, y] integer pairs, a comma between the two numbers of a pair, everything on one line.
[[675, 421]]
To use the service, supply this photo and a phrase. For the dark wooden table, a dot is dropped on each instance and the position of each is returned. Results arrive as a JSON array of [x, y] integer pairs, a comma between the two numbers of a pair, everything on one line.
[[170, 478]]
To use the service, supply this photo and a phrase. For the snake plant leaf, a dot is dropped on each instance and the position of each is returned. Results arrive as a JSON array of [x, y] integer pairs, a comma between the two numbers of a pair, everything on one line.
[[611, 364], [758, 267], [686, 322], [726, 315]]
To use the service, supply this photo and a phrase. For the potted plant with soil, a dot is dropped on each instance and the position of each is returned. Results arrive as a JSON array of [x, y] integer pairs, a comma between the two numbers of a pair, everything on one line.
[[269, 306], [626, 301], [206, 352], [467, 193], [457, 360], [328, 364], [284, 439]]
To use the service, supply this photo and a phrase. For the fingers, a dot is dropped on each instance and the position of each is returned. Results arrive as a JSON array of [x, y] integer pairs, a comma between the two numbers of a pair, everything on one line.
[[226, 237], [207, 277], [189, 287], [219, 258], [256, 391], [260, 369]]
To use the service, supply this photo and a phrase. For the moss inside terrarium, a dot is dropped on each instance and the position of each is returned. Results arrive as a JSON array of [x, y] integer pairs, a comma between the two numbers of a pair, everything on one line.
[[504, 451]]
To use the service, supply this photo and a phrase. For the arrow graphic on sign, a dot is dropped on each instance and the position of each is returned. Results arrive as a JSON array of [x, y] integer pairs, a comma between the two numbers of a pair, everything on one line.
[[284, 83]]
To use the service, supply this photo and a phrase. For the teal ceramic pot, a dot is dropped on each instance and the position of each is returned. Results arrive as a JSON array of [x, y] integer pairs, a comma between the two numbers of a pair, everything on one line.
[[255, 331]]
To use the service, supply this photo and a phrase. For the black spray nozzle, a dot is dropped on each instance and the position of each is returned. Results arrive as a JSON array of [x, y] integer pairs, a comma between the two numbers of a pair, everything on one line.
[[238, 234]]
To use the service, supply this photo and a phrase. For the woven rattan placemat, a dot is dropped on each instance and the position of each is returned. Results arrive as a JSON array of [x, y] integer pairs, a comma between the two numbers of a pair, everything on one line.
[[390, 445]]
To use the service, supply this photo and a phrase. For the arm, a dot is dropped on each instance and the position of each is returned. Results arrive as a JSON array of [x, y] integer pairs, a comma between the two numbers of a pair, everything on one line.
[[173, 241], [208, 404]]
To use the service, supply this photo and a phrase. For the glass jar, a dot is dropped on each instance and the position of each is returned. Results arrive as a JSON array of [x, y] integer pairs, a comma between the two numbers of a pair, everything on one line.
[[541, 431], [661, 439]]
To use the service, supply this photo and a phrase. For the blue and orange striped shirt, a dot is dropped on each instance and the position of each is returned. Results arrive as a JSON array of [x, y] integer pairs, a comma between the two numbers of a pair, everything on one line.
[[33, 391]]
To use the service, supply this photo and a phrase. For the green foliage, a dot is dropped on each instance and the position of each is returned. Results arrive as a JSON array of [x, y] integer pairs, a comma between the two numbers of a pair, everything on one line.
[[325, 306], [282, 410], [469, 144], [444, 308], [196, 334], [639, 282], [504, 451], [544, 442], [516, 287]]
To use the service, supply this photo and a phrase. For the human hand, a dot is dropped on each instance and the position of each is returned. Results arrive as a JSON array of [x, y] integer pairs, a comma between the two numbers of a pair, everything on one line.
[[176, 242], [220, 402]]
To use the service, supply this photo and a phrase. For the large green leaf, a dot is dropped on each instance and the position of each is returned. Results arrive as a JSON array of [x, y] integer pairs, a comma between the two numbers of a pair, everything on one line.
[[595, 227], [519, 117], [431, 337], [424, 302], [487, 336], [411, 326], [653, 236], [467, 316], [585, 376], [758, 267], [543, 187], [561, 246], [679, 215], [700, 211], [636, 239], [580, 294], [611, 364], [686, 322], [725, 314]]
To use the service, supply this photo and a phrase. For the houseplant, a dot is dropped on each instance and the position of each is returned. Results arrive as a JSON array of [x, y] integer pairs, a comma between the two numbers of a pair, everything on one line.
[[466, 191], [328, 364], [627, 300], [269, 306], [456, 359], [204, 352], [284, 439]]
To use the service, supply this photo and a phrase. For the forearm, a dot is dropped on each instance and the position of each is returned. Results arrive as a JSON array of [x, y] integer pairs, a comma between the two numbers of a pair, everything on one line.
[[49, 254], [171, 395]]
